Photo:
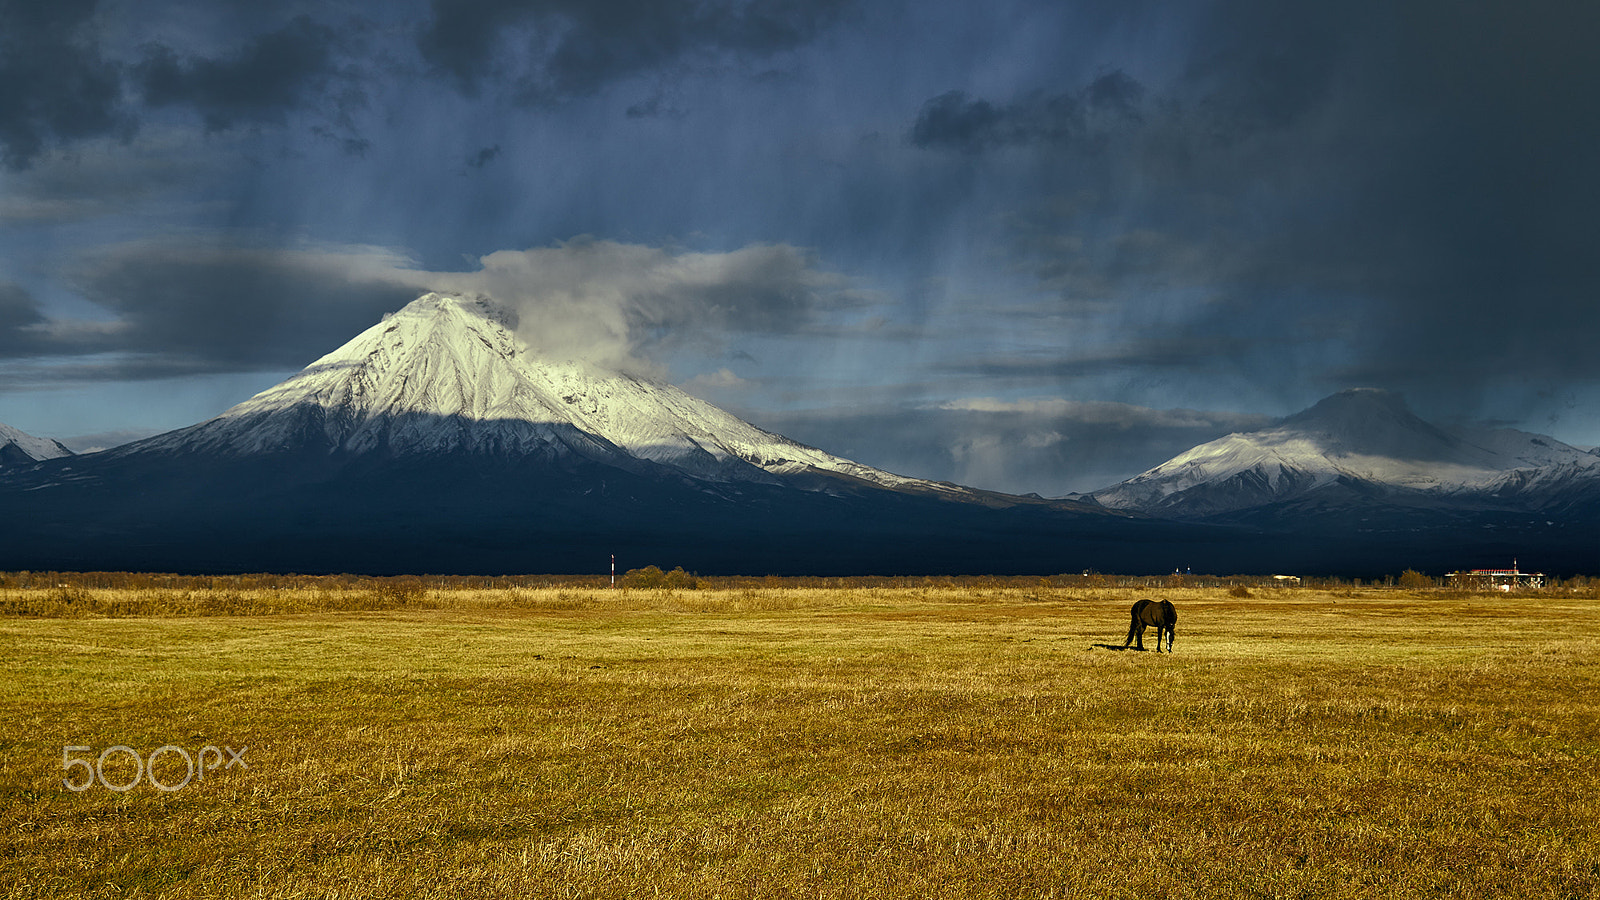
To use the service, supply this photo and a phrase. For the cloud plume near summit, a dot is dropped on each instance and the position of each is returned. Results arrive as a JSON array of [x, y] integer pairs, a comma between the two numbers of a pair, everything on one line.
[[177, 304], [612, 304]]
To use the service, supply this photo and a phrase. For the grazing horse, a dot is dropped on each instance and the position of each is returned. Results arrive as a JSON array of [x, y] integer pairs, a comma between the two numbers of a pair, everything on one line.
[[1152, 612]]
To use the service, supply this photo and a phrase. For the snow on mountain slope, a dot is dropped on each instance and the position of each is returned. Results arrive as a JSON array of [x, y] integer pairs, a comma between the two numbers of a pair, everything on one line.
[[447, 374], [1526, 450], [19, 448], [1360, 439]]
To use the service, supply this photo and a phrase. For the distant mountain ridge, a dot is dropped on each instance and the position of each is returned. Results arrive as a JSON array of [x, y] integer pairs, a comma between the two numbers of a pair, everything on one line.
[[18, 448], [1360, 443]]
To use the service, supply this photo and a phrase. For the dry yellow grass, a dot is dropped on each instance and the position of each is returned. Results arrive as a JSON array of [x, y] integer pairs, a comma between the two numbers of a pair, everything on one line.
[[892, 741]]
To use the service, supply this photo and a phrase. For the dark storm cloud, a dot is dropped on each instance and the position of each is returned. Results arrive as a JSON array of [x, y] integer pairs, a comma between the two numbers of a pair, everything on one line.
[[60, 84], [1413, 182], [269, 76], [100, 180], [1149, 200], [1466, 229], [1491, 205], [483, 157], [28, 331], [216, 305], [555, 50], [186, 305], [56, 86], [955, 120], [1256, 65], [38, 350], [19, 312], [18, 309]]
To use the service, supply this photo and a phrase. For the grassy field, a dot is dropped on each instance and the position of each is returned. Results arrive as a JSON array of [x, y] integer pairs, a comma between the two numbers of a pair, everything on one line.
[[942, 741]]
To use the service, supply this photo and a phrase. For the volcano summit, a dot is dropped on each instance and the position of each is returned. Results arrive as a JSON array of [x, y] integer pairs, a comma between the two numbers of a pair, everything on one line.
[[435, 442], [446, 375], [1354, 445], [1360, 483]]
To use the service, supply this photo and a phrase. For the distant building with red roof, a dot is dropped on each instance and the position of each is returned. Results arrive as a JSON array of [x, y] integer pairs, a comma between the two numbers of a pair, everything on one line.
[[1496, 579]]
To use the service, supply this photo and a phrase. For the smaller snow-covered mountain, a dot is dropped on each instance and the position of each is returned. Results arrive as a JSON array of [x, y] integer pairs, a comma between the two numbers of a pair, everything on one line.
[[1357, 443], [18, 448]]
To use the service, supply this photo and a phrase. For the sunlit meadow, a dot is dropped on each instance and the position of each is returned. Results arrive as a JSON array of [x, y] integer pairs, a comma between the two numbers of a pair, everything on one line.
[[879, 738]]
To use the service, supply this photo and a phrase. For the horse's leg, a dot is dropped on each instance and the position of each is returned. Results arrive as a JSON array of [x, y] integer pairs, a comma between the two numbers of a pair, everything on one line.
[[1132, 626]]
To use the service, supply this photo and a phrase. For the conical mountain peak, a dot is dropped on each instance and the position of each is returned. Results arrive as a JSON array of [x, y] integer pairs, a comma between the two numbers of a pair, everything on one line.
[[1361, 437], [447, 374], [1374, 422], [1353, 405]]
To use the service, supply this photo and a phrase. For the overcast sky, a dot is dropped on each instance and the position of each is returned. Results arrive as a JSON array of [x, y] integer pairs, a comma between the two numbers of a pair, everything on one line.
[[1029, 245]]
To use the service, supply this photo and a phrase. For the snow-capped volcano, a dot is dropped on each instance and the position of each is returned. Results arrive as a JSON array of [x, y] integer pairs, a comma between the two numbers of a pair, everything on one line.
[[19, 448], [447, 374], [435, 441], [1364, 440]]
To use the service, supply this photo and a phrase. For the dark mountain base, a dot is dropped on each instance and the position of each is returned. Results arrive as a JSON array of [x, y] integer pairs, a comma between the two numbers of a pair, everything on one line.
[[1384, 537], [316, 513], [321, 513]]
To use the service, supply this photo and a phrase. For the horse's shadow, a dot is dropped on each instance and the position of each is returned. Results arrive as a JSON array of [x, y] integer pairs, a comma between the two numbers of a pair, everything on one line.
[[1111, 647]]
